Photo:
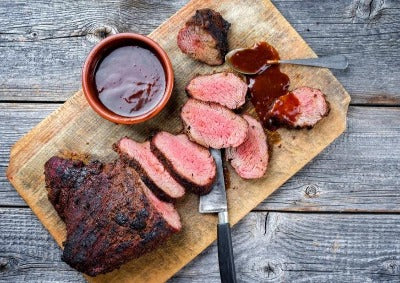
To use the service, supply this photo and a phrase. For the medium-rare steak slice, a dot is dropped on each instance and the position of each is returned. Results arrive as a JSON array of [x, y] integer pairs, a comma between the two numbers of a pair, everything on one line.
[[300, 108], [110, 214], [224, 88], [213, 125], [250, 159], [189, 163], [204, 37], [150, 169]]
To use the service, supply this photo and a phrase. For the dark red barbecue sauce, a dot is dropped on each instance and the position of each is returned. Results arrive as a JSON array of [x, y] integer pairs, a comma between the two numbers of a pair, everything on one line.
[[286, 108], [130, 81], [267, 85]]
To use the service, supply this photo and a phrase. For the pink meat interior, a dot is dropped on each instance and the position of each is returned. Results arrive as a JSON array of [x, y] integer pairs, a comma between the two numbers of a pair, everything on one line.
[[312, 105], [224, 88], [189, 159], [167, 210], [215, 122], [198, 43], [149, 162], [250, 159]]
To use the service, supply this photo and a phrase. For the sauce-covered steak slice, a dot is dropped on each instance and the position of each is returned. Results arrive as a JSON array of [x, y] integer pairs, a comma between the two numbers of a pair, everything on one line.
[[250, 159], [224, 88], [151, 170], [213, 125], [204, 37], [189, 163], [300, 108], [110, 214]]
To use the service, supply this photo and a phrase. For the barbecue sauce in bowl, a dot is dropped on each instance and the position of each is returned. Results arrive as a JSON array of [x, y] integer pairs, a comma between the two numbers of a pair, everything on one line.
[[268, 84], [130, 81]]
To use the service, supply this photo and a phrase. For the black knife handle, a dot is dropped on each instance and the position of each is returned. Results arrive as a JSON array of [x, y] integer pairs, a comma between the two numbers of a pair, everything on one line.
[[225, 254]]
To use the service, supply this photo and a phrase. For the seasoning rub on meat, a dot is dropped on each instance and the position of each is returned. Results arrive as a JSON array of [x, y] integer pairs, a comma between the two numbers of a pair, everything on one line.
[[110, 214]]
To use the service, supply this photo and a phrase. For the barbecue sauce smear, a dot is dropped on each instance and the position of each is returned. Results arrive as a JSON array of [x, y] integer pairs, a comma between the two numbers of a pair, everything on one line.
[[268, 84], [286, 108]]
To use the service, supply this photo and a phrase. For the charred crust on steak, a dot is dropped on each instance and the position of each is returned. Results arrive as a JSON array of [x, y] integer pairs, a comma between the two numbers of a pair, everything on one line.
[[187, 184], [162, 195], [215, 24], [205, 21], [100, 237]]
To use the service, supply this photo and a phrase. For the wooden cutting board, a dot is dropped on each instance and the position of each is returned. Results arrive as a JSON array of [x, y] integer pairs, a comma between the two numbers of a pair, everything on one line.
[[75, 127]]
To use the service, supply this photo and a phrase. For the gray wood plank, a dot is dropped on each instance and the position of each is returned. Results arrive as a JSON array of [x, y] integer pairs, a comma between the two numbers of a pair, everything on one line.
[[366, 31], [16, 120], [274, 247], [360, 171], [28, 253], [291, 247], [43, 45]]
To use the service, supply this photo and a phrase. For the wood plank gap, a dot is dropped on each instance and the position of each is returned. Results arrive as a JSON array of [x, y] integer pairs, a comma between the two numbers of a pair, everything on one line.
[[359, 212], [375, 105], [32, 101], [15, 206]]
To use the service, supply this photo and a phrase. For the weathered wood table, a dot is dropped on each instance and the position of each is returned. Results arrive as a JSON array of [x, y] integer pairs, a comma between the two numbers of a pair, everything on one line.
[[336, 220]]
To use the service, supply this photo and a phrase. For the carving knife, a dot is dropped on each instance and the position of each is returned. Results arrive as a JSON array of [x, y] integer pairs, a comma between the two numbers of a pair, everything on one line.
[[215, 202]]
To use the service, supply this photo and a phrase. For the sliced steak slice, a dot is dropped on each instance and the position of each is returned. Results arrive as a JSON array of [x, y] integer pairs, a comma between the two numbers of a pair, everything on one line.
[[110, 215], [189, 163], [300, 108], [250, 159], [151, 170], [204, 37], [224, 88], [213, 125]]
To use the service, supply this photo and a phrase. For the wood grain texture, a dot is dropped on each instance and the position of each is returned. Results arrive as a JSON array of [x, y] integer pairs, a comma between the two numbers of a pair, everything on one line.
[[273, 247], [361, 165], [55, 39], [360, 171], [75, 127], [45, 44], [301, 247]]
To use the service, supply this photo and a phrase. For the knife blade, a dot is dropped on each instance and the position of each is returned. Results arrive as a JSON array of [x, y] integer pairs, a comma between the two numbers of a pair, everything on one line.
[[215, 202]]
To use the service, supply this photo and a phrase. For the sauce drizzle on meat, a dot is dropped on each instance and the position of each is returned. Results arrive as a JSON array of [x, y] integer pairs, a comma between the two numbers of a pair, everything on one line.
[[287, 107], [268, 84]]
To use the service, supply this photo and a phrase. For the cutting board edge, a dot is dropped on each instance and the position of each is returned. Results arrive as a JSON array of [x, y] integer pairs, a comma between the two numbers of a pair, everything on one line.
[[14, 151]]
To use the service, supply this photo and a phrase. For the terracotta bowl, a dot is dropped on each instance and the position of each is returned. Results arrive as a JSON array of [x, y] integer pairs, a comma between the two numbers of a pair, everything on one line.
[[103, 48]]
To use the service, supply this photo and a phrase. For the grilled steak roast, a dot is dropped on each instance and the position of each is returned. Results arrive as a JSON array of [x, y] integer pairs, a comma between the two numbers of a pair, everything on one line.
[[213, 125], [300, 108], [250, 159], [189, 163], [204, 37], [224, 88], [151, 170], [110, 214]]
